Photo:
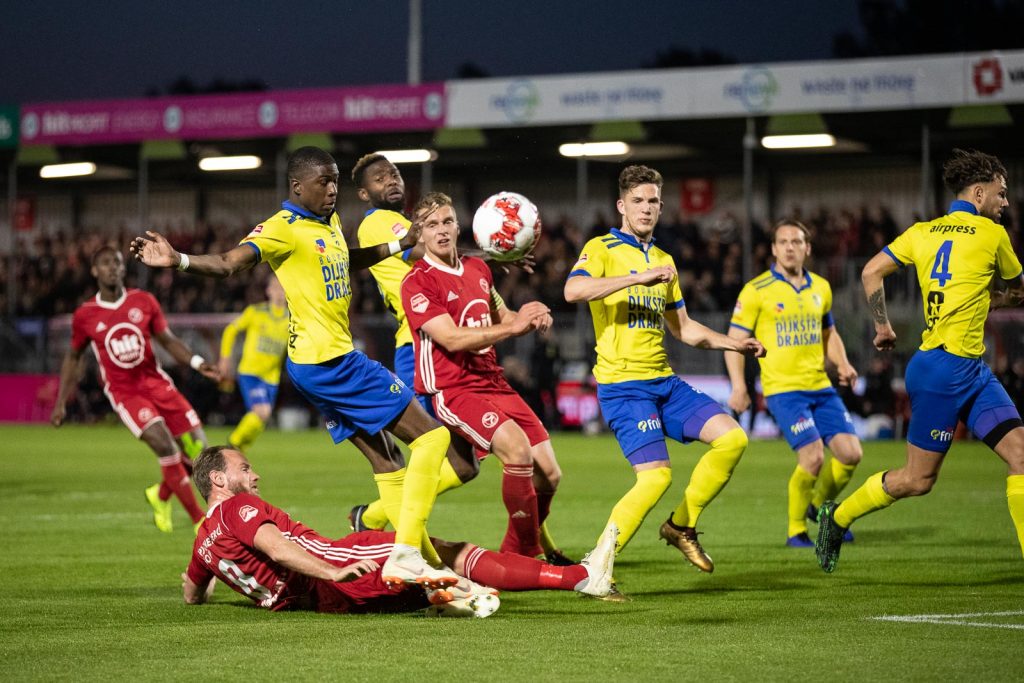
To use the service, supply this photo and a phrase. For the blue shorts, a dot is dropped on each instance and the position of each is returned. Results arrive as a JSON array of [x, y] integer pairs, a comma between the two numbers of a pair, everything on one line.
[[255, 391], [642, 413], [806, 416], [944, 389], [352, 392], [405, 368]]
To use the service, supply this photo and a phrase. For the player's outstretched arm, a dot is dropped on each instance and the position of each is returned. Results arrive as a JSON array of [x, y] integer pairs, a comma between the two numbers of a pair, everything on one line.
[[443, 330], [690, 332], [580, 288], [271, 542], [872, 278], [181, 353], [156, 252], [364, 257], [70, 373], [735, 363]]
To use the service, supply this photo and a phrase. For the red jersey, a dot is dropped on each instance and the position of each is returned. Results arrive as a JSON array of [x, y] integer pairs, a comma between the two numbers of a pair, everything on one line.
[[120, 333], [465, 293], [225, 547]]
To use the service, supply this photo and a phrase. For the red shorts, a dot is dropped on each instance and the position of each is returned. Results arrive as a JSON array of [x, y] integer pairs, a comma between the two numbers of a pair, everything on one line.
[[476, 415], [368, 593], [153, 400]]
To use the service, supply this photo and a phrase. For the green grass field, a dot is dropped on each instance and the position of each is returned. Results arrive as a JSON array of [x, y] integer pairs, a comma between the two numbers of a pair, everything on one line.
[[93, 590]]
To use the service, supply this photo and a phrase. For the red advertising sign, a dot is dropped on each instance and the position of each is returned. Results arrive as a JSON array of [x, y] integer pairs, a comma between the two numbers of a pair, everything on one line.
[[697, 195]]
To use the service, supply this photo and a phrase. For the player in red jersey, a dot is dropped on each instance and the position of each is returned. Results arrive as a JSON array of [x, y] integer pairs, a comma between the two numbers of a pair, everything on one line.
[[451, 302], [119, 323], [282, 564]]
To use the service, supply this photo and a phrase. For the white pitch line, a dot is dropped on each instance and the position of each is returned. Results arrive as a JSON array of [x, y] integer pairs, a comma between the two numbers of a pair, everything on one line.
[[956, 619]]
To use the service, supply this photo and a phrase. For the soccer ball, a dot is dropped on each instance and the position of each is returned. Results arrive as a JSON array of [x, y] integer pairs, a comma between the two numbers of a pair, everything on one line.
[[506, 226]]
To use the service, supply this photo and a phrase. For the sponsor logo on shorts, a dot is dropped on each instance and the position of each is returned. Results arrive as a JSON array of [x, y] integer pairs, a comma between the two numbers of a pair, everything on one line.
[[489, 419], [653, 423], [193, 418], [247, 512], [331, 424], [942, 434], [145, 415], [395, 388], [419, 302], [802, 425]]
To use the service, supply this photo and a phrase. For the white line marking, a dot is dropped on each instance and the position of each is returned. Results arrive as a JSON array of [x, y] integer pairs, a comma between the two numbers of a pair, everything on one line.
[[956, 619]]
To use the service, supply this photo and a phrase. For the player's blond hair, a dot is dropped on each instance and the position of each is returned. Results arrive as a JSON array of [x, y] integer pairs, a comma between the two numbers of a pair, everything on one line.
[[432, 200]]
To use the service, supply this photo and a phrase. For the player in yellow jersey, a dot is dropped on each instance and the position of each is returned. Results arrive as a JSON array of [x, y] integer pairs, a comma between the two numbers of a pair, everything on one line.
[[379, 183], [957, 257], [265, 326], [789, 309], [633, 291], [360, 399]]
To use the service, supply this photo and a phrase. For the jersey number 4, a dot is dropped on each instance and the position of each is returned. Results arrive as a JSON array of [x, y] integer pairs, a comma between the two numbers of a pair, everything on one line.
[[940, 272]]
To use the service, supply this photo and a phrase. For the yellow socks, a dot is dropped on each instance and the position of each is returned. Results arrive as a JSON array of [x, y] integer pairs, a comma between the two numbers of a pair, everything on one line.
[[710, 476], [1015, 499], [546, 542], [420, 489], [389, 505], [869, 497], [628, 514], [249, 427], [376, 518], [834, 476], [800, 484]]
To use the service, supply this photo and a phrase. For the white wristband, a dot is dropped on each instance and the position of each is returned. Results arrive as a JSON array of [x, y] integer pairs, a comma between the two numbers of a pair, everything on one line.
[[197, 360], [394, 247], [183, 263]]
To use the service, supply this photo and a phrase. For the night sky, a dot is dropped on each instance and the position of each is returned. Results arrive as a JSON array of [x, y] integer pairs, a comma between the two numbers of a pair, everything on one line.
[[72, 50]]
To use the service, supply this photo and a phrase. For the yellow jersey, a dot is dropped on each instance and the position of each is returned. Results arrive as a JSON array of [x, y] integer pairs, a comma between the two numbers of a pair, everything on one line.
[[379, 226], [789, 321], [956, 257], [266, 336], [310, 258], [629, 324]]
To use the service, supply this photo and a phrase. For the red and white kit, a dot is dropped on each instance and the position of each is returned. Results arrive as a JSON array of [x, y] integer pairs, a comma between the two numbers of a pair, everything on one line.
[[224, 548], [120, 333], [469, 389]]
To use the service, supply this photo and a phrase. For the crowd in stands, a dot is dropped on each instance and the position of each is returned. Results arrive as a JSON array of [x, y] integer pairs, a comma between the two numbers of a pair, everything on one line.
[[52, 272]]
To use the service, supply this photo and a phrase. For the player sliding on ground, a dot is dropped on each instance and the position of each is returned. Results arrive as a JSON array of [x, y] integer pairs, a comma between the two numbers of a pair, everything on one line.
[[281, 564], [633, 291], [957, 257], [304, 245]]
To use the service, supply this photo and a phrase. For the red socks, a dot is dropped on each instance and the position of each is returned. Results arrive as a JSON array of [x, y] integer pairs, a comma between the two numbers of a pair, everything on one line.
[[520, 500], [509, 572], [176, 480]]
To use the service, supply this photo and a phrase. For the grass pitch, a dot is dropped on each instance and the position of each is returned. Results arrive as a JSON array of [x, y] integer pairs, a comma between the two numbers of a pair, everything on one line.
[[92, 590]]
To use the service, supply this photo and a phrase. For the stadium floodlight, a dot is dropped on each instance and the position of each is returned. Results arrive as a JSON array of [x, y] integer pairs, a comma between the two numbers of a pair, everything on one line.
[[798, 141], [72, 170], [593, 149], [408, 156], [244, 162]]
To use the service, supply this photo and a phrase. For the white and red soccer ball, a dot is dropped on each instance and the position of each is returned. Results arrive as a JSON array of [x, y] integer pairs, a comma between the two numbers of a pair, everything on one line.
[[506, 226]]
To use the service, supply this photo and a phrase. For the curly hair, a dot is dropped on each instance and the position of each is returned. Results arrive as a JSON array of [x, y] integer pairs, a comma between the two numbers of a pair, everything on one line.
[[364, 162], [969, 167], [632, 176]]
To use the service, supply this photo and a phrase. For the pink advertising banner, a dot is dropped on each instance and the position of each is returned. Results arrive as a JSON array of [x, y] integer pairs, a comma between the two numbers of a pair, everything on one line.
[[268, 114]]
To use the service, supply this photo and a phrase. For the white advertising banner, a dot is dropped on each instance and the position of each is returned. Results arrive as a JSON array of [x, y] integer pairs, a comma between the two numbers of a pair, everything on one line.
[[833, 86]]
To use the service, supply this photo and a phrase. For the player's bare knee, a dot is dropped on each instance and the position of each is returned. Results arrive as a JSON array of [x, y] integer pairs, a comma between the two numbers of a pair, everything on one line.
[[262, 411], [811, 456]]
